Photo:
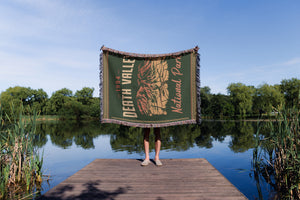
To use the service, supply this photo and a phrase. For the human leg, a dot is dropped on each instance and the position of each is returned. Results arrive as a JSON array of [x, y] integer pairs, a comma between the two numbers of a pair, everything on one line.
[[157, 143], [146, 142]]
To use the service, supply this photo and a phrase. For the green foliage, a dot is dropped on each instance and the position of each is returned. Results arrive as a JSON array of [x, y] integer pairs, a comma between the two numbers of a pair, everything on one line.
[[20, 163], [72, 109], [22, 96], [277, 158], [205, 100], [291, 90], [221, 107], [241, 97], [242, 101], [58, 99], [266, 98], [79, 106], [39, 101], [247, 101], [94, 108], [85, 96]]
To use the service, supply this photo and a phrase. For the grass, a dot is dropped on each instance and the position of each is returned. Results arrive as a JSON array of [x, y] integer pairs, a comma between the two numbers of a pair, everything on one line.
[[47, 118], [21, 163], [277, 157]]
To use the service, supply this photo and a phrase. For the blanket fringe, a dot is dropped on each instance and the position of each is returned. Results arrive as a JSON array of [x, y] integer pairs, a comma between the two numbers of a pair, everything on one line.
[[101, 85], [147, 125], [137, 55], [198, 89]]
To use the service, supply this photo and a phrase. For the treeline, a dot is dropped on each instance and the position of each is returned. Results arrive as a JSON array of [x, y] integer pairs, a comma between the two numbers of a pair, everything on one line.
[[62, 103], [242, 101], [245, 101]]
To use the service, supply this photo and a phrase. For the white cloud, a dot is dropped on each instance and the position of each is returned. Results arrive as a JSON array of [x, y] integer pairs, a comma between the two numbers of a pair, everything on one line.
[[291, 62]]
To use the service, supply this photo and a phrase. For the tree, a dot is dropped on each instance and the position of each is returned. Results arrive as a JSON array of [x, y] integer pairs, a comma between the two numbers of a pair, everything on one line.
[[205, 96], [72, 109], [220, 106], [39, 100], [241, 97], [25, 96], [85, 95], [91, 105], [57, 100], [94, 109], [266, 97], [291, 90]]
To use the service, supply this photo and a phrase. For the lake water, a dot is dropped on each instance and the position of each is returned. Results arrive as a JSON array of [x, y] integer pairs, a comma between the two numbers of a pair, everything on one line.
[[227, 145]]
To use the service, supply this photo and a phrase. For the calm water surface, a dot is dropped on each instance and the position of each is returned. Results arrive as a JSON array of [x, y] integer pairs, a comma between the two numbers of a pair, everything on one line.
[[228, 146]]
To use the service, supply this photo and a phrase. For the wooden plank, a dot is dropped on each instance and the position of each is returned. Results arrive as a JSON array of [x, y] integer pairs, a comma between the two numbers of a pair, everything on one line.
[[125, 179]]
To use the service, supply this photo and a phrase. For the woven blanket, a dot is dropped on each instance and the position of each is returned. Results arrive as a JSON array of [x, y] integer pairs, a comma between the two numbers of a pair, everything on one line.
[[150, 90]]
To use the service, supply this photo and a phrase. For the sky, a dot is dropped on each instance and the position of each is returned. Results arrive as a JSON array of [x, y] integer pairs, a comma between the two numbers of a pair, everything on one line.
[[51, 44]]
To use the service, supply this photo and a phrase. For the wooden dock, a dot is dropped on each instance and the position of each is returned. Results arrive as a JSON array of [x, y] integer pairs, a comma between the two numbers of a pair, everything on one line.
[[126, 179]]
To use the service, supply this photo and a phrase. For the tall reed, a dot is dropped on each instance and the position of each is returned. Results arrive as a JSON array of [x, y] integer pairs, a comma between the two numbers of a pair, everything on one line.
[[277, 156], [21, 164]]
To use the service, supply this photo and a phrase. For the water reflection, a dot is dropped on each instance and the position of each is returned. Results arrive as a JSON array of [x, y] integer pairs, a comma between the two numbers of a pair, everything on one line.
[[122, 138], [64, 133], [242, 137], [235, 137]]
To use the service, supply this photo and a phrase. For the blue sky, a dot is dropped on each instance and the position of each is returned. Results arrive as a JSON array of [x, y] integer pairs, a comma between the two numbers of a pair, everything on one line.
[[53, 44]]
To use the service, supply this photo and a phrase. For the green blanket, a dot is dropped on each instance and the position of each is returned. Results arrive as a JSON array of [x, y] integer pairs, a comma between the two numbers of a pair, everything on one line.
[[150, 90]]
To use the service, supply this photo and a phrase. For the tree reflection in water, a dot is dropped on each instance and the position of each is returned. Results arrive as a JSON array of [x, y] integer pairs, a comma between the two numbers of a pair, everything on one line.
[[122, 138]]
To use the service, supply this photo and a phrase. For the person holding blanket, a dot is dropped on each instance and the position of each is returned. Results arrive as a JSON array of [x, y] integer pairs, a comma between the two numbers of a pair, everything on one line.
[[157, 146]]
